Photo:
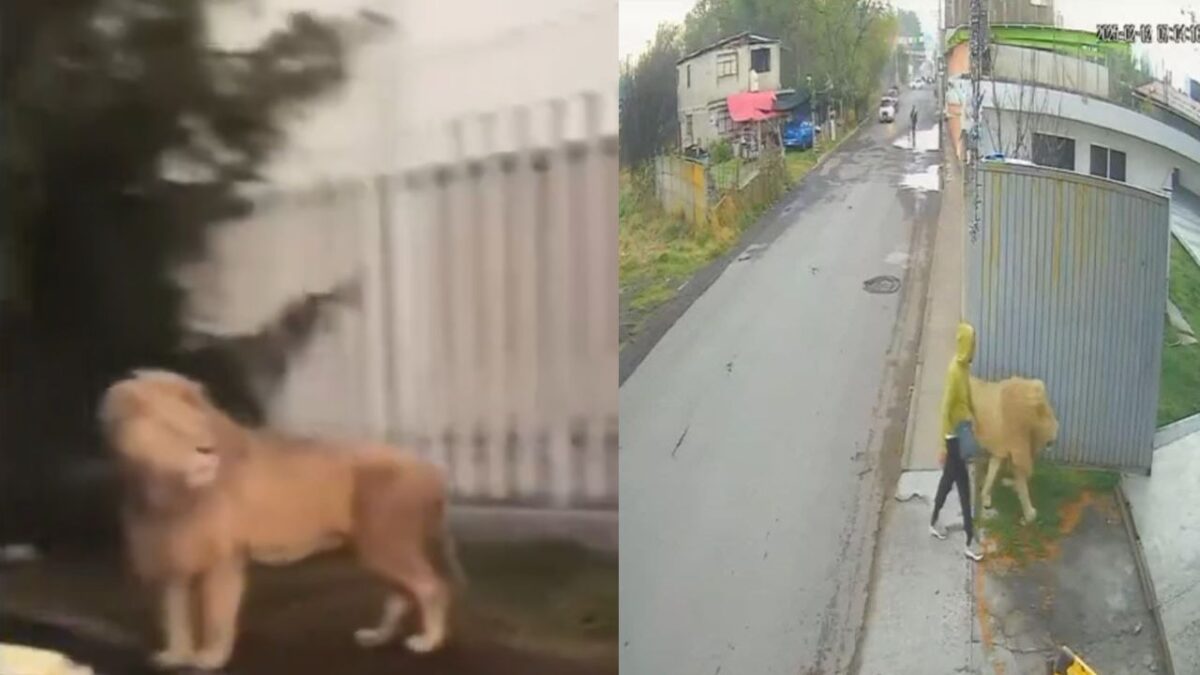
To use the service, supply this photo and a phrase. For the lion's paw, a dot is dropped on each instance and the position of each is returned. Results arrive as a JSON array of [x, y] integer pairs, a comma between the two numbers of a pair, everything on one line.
[[170, 660], [422, 643], [211, 659], [371, 637]]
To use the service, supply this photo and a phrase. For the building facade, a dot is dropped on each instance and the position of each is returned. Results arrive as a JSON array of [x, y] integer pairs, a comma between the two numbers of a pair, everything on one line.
[[1060, 98], [737, 64]]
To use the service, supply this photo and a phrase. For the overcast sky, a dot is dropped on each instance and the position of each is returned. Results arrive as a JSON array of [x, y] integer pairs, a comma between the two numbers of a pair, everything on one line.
[[639, 19]]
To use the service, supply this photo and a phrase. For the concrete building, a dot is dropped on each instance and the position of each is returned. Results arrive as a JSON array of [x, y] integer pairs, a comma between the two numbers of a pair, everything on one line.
[[741, 63], [1061, 98]]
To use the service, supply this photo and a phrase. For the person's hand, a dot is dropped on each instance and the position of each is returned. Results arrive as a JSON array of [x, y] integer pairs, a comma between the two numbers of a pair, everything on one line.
[[942, 458]]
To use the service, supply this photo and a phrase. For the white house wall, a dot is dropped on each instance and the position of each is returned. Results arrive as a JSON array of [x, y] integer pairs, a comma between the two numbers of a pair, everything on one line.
[[348, 131], [1152, 148], [1147, 165], [486, 57]]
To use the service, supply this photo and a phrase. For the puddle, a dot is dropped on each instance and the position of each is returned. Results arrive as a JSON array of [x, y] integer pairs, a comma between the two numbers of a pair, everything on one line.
[[927, 141], [924, 181]]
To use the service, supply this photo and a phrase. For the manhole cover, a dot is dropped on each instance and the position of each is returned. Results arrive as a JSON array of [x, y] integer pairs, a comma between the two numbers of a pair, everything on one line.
[[882, 284]]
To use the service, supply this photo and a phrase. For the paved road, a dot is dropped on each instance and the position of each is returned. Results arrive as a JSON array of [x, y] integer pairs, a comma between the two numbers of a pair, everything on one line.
[[750, 435]]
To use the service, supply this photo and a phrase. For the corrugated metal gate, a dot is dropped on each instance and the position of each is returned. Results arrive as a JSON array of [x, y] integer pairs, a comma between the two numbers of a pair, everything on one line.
[[1066, 281]]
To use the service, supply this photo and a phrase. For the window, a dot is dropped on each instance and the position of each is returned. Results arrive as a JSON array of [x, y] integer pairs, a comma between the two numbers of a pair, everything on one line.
[[760, 60], [1054, 151], [688, 126], [721, 120], [1116, 165], [727, 65], [689, 76], [1108, 163]]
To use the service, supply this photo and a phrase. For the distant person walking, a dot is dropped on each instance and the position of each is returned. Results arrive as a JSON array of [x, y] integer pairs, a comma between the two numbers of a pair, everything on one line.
[[957, 411], [912, 126]]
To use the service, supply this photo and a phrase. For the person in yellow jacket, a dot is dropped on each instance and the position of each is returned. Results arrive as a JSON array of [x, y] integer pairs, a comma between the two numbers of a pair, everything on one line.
[[957, 410]]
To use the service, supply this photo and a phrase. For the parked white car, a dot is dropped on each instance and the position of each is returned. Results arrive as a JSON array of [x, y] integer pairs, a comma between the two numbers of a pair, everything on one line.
[[887, 110]]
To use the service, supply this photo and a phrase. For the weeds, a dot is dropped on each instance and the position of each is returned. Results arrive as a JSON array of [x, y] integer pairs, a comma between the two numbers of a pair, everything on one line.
[[1054, 489]]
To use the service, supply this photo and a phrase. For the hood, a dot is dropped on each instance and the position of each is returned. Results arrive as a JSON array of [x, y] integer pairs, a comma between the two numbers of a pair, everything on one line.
[[964, 343]]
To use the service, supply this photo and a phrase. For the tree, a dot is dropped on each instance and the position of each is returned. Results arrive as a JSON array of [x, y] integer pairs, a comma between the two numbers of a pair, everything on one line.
[[909, 24], [100, 102], [649, 111]]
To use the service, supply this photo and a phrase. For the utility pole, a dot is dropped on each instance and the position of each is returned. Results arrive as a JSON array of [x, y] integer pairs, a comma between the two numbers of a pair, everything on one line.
[[979, 40]]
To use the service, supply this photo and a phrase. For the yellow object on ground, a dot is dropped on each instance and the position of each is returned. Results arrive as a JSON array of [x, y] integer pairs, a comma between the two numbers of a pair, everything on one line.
[[956, 395], [1068, 663], [21, 660]]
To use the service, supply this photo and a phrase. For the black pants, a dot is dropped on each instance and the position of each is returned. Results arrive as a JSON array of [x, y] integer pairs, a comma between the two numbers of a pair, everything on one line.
[[955, 472]]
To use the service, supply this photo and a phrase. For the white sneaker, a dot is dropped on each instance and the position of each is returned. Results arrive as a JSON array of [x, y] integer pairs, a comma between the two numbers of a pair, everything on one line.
[[937, 532], [973, 552]]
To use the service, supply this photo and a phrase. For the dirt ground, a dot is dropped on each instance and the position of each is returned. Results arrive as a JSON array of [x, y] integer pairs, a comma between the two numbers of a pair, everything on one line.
[[1086, 594], [529, 609]]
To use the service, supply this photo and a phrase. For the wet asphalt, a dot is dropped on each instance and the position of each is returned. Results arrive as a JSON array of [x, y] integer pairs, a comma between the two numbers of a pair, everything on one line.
[[750, 430]]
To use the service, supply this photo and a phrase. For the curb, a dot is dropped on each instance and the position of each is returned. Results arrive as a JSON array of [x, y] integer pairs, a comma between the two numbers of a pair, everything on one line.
[[846, 138], [597, 531], [926, 309], [1176, 430], [1143, 570]]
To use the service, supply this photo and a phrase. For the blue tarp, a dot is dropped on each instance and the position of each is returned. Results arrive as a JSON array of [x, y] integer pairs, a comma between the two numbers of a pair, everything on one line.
[[798, 133]]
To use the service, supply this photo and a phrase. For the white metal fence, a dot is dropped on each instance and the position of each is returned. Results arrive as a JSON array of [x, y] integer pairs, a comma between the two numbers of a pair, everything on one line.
[[1066, 281], [485, 331]]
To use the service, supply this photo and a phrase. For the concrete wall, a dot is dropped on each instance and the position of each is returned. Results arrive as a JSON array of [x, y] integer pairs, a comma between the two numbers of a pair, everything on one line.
[[1053, 70], [958, 60], [1041, 12], [682, 188], [707, 88]]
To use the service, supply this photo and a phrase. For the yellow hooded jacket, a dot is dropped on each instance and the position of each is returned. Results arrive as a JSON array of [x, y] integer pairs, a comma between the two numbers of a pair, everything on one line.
[[956, 396]]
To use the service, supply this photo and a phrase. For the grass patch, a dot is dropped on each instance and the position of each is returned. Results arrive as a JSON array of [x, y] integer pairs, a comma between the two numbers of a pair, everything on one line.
[[1179, 388], [800, 162], [658, 252], [1053, 488]]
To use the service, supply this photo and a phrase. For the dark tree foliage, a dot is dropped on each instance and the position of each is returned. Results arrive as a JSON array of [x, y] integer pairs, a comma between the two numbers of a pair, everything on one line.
[[94, 95], [910, 23], [649, 122]]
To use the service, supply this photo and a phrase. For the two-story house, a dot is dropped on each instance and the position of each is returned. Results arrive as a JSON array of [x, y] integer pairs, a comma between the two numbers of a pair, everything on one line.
[[707, 77]]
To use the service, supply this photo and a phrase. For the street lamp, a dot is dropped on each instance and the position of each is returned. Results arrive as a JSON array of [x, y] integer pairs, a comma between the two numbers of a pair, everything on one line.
[[811, 98]]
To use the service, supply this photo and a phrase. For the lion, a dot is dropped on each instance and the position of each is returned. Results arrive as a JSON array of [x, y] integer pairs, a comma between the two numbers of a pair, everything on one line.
[[204, 496], [1014, 421]]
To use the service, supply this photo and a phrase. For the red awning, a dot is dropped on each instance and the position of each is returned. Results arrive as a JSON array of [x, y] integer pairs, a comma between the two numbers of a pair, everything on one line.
[[751, 106]]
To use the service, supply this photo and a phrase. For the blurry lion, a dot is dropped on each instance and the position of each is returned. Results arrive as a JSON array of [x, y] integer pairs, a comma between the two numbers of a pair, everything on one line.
[[204, 495], [1013, 421]]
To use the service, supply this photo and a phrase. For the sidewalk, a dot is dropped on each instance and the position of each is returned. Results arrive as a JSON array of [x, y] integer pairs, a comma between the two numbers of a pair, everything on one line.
[[1167, 514], [921, 613]]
